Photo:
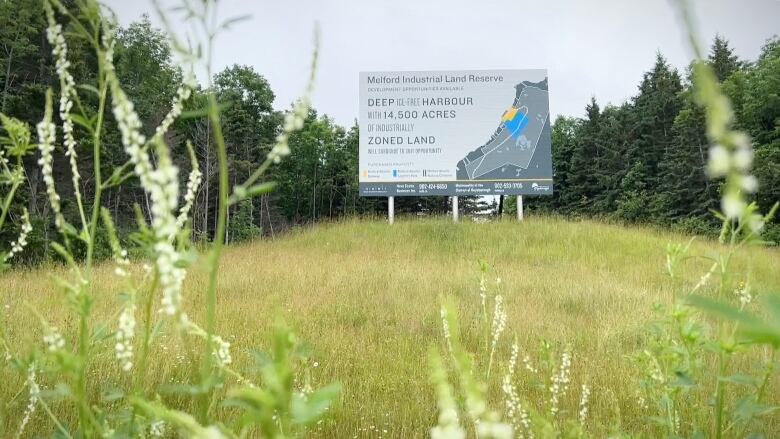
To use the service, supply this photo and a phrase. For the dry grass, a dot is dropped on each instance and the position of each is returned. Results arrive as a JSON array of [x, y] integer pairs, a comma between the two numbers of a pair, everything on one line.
[[366, 297]]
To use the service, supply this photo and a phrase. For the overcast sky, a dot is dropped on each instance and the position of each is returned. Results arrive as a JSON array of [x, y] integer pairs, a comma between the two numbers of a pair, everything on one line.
[[589, 47]]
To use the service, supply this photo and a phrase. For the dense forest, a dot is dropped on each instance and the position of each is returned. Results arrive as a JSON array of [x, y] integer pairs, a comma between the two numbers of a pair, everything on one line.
[[641, 161], [645, 160]]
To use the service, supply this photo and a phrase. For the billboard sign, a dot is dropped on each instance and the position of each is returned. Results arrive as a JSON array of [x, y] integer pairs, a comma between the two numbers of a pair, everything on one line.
[[472, 132]]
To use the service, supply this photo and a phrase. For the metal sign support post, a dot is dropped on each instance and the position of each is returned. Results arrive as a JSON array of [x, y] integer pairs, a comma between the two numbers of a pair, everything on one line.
[[390, 209], [519, 208], [455, 209]]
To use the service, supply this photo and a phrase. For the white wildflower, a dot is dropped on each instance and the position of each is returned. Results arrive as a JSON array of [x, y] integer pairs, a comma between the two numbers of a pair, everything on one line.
[[511, 400], [293, 121], [124, 337], [221, 351], [483, 293], [733, 205], [499, 319], [755, 222], [742, 158], [560, 382], [67, 91], [705, 278], [182, 94], [515, 352], [719, 161], [32, 402], [46, 138], [18, 245], [494, 430], [655, 371], [748, 183], [742, 292], [641, 401], [499, 323], [161, 184], [584, 395], [446, 329], [157, 429], [448, 426], [122, 262], [528, 365], [193, 183], [53, 339], [171, 277], [515, 412]]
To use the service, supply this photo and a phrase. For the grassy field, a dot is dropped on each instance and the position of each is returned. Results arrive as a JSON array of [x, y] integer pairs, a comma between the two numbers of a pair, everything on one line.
[[366, 297]]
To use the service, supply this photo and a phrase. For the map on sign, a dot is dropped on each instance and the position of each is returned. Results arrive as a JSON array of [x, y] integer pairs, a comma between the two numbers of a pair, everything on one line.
[[514, 142], [474, 132]]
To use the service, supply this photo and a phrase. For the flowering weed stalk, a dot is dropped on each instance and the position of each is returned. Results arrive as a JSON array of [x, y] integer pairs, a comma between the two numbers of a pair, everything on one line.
[[487, 423], [130, 412], [67, 93], [527, 414], [678, 363]]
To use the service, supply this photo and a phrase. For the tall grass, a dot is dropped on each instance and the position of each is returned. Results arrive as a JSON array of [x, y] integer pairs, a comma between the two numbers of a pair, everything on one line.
[[366, 298], [552, 341]]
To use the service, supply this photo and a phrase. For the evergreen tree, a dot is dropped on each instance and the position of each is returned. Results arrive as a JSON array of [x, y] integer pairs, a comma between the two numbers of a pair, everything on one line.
[[610, 165], [582, 180], [654, 110], [685, 190], [564, 143], [722, 59], [760, 116]]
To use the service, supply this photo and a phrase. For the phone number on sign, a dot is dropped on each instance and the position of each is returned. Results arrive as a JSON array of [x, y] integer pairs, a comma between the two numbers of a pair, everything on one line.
[[430, 186]]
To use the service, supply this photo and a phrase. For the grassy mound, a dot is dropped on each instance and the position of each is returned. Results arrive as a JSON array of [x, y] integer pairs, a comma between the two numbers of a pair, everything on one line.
[[366, 297]]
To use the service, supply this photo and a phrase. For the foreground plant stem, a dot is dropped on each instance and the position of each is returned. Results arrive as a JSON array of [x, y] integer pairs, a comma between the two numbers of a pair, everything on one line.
[[9, 198], [86, 416], [140, 377], [96, 159], [720, 388], [216, 250]]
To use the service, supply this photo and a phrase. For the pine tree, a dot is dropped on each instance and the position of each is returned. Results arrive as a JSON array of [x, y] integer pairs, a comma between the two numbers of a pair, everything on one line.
[[582, 181], [722, 59], [685, 189], [760, 116], [610, 165], [564, 138], [654, 111]]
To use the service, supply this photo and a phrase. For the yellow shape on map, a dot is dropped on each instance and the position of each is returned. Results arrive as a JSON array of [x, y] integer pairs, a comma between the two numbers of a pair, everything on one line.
[[509, 114]]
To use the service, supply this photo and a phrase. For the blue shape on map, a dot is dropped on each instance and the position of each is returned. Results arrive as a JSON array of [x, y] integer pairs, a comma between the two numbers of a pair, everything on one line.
[[517, 124]]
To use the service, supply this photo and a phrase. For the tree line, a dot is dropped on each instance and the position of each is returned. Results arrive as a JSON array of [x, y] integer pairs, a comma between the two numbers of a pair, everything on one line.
[[645, 159], [641, 161]]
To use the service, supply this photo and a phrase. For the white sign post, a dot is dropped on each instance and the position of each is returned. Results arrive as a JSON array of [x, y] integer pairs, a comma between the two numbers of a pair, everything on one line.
[[455, 209], [519, 208], [390, 210]]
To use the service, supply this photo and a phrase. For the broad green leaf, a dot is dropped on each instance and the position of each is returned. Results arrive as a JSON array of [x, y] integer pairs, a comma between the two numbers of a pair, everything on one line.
[[112, 394], [309, 410], [740, 379]]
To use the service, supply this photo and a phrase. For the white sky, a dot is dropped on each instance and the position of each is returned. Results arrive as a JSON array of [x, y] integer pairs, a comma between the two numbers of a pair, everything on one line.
[[590, 47]]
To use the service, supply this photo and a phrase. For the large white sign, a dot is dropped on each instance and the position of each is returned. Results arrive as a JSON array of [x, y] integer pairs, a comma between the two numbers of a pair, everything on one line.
[[475, 132]]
